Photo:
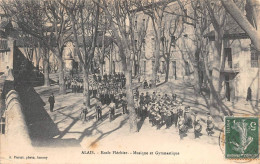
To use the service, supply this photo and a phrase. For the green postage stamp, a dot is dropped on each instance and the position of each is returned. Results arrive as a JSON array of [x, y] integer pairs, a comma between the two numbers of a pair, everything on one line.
[[241, 138]]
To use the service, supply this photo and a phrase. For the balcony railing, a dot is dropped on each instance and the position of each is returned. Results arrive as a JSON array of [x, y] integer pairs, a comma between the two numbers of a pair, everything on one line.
[[231, 67]]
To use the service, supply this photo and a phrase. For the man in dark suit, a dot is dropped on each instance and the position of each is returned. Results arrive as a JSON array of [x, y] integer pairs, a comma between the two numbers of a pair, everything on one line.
[[51, 101]]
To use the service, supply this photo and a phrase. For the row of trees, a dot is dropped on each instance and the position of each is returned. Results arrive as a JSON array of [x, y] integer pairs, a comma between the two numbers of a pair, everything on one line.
[[54, 23]]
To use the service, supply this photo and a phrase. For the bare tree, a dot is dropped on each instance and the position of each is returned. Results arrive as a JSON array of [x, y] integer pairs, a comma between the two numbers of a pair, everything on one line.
[[61, 30], [155, 11], [121, 16], [140, 31], [84, 18], [172, 30]]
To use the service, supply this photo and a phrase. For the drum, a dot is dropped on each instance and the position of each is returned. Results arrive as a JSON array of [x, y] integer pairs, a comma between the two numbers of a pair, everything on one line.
[[187, 116], [210, 126], [198, 128], [183, 128]]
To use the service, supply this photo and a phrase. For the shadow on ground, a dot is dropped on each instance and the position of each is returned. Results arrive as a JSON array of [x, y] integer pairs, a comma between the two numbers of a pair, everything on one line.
[[41, 127]]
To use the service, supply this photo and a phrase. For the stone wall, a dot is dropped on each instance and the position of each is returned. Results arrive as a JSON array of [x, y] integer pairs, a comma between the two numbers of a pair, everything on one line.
[[17, 135]]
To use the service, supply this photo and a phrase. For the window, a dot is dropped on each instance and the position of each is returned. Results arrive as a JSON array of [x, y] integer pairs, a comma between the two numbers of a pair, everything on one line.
[[228, 55], [153, 63], [135, 43], [187, 69], [114, 67], [104, 66], [254, 58], [174, 69], [144, 67], [163, 67]]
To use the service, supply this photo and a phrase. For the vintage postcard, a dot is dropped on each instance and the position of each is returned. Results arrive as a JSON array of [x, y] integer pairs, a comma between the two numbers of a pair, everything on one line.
[[129, 81]]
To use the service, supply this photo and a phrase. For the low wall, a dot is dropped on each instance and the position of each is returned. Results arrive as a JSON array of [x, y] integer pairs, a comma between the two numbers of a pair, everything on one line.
[[17, 134]]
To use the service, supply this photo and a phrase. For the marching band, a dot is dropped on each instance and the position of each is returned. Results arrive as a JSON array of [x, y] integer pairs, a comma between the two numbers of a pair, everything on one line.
[[161, 110]]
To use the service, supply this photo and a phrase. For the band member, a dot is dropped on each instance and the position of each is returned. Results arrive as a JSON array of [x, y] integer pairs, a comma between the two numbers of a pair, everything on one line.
[[123, 79], [124, 104], [136, 93], [99, 78], [187, 117], [147, 99], [168, 115], [98, 111], [69, 83], [158, 98], [153, 97], [66, 83], [174, 115], [95, 88], [80, 86], [166, 99], [197, 125], [73, 86], [105, 77], [51, 101], [145, 85], [174, 97], [84, 110], [136, 106], [141, 99], [112, 107], [107, 99], [210, 125], [182, 128], [112, 95], [102, 97], [95, 78], [197, 129]]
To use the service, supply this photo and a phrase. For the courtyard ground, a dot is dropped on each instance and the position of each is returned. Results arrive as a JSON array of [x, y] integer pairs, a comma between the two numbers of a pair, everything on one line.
[[61, 132]]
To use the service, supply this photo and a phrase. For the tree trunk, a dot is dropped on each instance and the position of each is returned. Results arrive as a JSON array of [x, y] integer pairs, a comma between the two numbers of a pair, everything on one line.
[[46, 71], [61, 76], [134, 68], [101, 68], [138, 64], [167, 68], [156, 61], [86, 86], [216, 70], [110, 64], [130, 101], [197, 81]]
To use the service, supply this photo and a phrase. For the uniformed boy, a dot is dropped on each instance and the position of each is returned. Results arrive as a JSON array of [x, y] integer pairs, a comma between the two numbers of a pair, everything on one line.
[[99, 111]]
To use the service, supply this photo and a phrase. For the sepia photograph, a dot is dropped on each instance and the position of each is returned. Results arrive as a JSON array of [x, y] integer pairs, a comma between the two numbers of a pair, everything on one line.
[[129, 81]]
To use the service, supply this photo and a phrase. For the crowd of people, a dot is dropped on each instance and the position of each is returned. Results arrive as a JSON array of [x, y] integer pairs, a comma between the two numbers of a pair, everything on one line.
[[75, 84], [161, 109], [167, 110], [108, 88]]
